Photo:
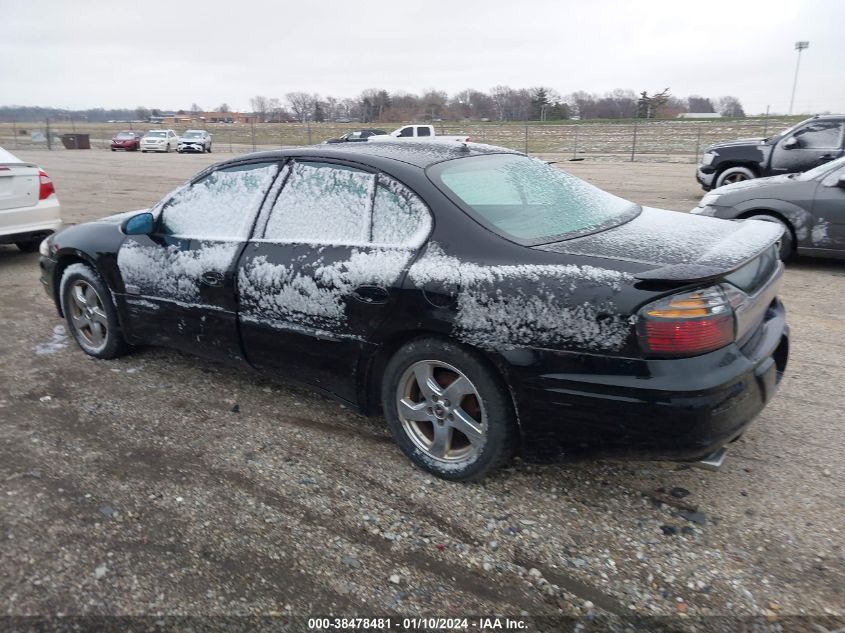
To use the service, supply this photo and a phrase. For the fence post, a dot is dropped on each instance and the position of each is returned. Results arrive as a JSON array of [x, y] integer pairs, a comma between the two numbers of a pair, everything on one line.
[[575, 146], [230, 140], [49, 140], [253, 136], [698, 143], [15, 132], [309, 133], [766, 122], [634, 141], [526, 139]]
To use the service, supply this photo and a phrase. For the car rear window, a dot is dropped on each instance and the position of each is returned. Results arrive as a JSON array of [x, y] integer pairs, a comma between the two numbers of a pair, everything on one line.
[[527, 200]]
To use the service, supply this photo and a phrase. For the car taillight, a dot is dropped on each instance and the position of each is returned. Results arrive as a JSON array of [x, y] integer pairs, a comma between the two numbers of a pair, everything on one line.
[[687, 323], [47, 189]]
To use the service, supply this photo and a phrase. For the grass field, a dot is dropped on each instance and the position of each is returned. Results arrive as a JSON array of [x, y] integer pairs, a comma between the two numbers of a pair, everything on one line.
[[673, 140]]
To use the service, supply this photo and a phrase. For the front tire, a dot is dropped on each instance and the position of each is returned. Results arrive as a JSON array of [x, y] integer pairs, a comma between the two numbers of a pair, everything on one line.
[[787, 240], [90, 314], [734, 174], [447, 410], [208, 149]]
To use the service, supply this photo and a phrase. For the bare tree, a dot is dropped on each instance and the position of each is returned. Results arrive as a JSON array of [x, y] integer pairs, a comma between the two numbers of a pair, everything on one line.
[[260, 105], [224, 107], [301, 105], [730, 106], [696, 103]]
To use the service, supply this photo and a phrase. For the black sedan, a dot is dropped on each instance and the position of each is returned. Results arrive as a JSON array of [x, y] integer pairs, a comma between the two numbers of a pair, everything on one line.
[[356, 136], [483, 301], [810, 207]]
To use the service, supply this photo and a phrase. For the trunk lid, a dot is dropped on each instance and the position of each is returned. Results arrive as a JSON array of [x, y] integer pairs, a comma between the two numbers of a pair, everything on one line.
[[677, 247], [19, 184]]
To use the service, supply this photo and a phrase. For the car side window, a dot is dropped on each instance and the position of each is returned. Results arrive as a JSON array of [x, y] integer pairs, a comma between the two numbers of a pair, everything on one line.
[[322, 202], [820, 135], [400, 217], [406, 131], [423, 131], [220, 206]]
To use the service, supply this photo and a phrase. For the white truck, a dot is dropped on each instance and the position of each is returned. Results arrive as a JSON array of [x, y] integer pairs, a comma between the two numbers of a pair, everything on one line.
[[416, 132]]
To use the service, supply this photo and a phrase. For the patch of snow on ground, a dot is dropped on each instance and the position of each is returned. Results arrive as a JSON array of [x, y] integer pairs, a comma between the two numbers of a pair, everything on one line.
[[57, 343]]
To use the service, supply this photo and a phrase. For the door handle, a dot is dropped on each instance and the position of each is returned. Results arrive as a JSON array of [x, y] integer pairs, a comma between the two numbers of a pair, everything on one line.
[[827, 157], [371, 294], [212, 278]]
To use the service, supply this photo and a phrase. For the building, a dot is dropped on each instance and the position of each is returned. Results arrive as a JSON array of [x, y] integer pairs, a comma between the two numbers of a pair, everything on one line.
[[699, 115]]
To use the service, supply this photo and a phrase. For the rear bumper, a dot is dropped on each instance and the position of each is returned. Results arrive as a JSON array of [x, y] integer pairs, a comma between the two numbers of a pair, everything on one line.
[[25, 223], [678, 409]]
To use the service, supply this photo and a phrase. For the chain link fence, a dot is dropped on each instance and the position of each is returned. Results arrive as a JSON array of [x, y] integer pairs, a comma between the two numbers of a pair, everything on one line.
[[675, 140]]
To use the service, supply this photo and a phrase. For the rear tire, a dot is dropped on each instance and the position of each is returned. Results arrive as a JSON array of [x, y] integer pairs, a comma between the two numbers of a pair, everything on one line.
[[447, 410], [90, 314], [787, 240], [29, 246], [734, 174], [208, 149]]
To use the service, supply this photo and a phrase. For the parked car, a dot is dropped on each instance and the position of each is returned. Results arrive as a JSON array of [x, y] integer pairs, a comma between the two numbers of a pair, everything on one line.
[[126, 140], [484, 301], [809, 206], [417, 132], [194, 141], [804, 146], [29, 208], [159, 141], [357, 136]]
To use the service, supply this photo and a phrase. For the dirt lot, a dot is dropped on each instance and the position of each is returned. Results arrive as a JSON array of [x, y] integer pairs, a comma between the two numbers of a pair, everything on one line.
[[160, 484]]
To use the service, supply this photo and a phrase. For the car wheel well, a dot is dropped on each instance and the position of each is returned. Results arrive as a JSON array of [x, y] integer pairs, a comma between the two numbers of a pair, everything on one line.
[[773, 214], [752, 212], [374, 367], [63, 263]]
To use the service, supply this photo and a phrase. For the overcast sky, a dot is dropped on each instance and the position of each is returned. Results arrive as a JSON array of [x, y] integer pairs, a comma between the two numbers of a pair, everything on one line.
[[113, 53]]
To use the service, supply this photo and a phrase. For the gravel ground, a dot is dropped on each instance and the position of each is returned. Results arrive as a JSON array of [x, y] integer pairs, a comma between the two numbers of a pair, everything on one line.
[[159, 484]]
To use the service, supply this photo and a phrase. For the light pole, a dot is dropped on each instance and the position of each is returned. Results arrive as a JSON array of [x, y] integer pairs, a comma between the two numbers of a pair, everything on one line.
[[799, 46]]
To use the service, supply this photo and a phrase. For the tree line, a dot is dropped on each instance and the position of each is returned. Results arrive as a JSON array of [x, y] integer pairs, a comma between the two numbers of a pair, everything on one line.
[[500, 103]]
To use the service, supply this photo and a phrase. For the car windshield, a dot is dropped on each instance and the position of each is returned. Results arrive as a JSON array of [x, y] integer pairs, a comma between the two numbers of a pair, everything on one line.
[[192, 135], [157, 134], [527, 199], [124, 135], [821, 170]]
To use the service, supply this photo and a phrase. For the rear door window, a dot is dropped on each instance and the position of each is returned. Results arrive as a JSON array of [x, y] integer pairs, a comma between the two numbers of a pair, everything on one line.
[[423, 131], [324, 202]]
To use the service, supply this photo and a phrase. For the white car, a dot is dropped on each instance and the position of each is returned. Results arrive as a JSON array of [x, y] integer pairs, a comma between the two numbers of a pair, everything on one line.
[[417, 132], [29, 208], [194, 141], [159, 141]]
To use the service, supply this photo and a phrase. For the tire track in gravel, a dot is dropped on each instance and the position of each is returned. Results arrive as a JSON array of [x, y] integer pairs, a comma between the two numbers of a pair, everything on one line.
[[246, 564], [160, 465]]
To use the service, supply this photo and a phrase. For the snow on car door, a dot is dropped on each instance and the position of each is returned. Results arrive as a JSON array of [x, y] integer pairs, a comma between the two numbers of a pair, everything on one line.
[[180, 281], [323, 277]]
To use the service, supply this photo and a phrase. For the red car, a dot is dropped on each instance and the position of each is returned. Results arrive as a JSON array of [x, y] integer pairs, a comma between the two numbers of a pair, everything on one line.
[[127, 141]]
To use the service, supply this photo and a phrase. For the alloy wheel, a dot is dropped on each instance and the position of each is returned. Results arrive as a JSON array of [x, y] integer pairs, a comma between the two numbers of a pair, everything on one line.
[[88, 314], [732, 178], [441, 411]]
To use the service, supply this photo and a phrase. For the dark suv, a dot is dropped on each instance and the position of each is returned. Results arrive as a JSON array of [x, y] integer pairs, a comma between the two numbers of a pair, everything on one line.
[[803, 146]]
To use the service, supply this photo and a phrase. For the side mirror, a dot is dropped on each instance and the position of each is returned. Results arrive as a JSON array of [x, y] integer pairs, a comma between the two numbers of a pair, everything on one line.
[[141, 224], [841, 182], [791, 143]]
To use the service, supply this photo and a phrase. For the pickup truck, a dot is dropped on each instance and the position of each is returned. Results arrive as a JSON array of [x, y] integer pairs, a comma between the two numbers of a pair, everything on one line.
[[803, 146], [417, 132]]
